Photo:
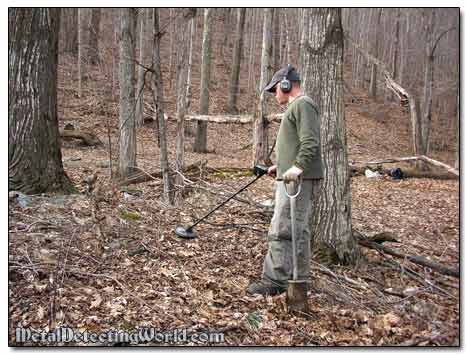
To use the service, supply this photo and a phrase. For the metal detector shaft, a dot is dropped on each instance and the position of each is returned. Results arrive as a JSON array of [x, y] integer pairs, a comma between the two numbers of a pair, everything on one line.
[[223, 203], [293, 222]]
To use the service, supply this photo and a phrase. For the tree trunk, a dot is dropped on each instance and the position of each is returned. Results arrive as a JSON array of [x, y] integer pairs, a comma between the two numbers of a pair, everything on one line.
[[80, 52], [127, 160], [373, 78], [322, 80], [287, 38], [251, 58], [141, 71], [274, 62], [428, 85], [94, 55], [116, 52], [260, 130], [188, 95], [182, 73], [200, 145], [158, 96], [69, 21], [34, 156], [396, 50], [303, 36], [227, 24], [237, 58]]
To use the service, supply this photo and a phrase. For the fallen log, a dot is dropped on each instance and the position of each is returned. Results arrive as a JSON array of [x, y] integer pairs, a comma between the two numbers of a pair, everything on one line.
[[242, 119], [445, 270], [87, 138], [357, 170], [220, 119], [356, 165]]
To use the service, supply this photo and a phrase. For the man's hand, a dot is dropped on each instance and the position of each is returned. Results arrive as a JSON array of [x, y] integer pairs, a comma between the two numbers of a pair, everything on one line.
[[272, 170], [292, 174]]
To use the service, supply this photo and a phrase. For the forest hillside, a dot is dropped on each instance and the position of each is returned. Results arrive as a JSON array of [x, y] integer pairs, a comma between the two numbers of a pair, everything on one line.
[[106, 256]]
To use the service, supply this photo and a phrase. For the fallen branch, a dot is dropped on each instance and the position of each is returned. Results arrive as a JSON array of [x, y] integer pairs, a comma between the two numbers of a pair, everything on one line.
[[141, 175], [87, 138], [415, 259]]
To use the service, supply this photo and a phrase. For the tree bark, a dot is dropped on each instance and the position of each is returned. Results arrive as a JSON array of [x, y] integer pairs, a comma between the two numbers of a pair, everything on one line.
[[428, 85], [237, 58], [69, 23], [373, 78], [94, 54], [141, 71], [200, 145], [158, 97], [260, 130], [252, 52], [275, 41], [182, 73], [322, 80], [80, 52], [34, 156], [127, 156], [188, 95]]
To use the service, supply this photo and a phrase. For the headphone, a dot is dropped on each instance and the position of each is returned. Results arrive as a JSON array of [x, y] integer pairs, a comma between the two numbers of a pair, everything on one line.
[[285, 84]]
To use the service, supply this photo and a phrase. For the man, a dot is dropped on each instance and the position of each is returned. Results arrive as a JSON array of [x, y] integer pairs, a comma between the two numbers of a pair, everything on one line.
[[298, 160]]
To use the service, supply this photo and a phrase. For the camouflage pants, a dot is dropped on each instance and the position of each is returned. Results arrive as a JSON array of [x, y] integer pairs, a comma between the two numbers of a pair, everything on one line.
[[278, 264]]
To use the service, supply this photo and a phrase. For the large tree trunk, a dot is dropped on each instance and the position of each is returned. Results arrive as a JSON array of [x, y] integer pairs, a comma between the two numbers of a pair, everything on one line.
[[260, 130], [237, 58], [127, 160], [94, 55], [158, 96], [34, 156], [322, 79], [200, 144]]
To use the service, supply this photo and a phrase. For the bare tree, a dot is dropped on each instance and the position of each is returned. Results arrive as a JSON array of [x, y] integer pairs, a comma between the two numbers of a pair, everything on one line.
[[182, 75], [94, 55], [80, 53], [372, 89], [260, 130], [127, 161], [323, 81], [200, 144], [34, 156], [252, 51], [158, 97], [141, 71], [188, 94], [237, 56], [69, 27]]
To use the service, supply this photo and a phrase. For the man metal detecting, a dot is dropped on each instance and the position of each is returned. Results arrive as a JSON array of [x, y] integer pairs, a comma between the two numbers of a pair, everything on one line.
[[298, 163]]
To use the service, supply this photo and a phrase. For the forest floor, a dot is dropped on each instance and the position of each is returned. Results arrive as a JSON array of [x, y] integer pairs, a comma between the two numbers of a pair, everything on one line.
[[110, 260]]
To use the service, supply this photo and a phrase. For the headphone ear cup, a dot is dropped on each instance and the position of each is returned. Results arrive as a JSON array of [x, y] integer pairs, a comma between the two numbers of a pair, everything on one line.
[[286, 86]]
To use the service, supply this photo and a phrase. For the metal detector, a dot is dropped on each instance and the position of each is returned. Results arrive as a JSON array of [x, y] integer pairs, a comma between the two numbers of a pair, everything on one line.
[[190, 233]]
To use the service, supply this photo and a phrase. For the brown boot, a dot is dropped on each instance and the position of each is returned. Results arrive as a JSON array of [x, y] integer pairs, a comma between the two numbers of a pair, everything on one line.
[[264, 288]]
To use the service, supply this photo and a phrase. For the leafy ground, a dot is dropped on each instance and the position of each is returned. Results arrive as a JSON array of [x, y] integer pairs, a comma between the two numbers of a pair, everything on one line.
[[110, 260]]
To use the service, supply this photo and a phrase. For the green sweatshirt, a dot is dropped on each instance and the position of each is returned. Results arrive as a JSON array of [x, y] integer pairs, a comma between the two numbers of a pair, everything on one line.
[[298, 139]]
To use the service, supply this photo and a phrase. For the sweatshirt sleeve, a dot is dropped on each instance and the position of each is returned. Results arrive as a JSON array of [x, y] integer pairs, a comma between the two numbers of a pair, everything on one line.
[[307, 122]]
